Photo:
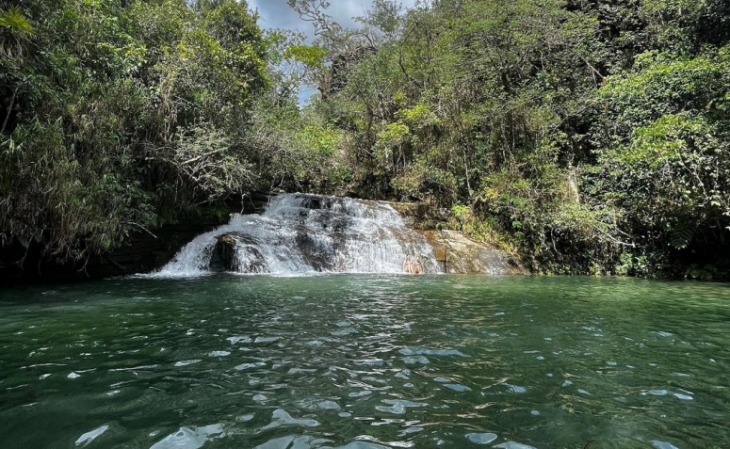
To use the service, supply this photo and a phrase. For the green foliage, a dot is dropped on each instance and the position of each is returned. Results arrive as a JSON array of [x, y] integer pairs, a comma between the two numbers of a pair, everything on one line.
[[706, 272], [630, 264], [296, 150], [592, 134], [313, 158], [666, 162], [119, 116], [311, 56], [15, 22], [462, 213]]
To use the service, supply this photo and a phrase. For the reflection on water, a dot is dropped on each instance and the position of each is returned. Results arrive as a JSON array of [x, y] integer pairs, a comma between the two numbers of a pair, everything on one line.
[[366, 362]]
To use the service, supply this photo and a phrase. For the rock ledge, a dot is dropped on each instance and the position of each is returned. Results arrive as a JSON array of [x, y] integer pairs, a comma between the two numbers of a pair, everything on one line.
[[458, 254]]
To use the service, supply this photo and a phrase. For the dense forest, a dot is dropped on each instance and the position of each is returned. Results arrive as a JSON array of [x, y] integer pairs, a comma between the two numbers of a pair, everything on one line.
[[587, 136]]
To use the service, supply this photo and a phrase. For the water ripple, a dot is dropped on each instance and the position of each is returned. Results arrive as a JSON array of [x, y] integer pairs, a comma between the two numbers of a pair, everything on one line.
[[366, 362]]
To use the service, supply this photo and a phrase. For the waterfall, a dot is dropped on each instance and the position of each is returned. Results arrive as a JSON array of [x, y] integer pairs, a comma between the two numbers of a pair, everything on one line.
[[300, 233]]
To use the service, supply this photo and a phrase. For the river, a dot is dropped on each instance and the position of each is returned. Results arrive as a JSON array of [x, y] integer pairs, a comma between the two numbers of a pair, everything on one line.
[[365, 362]]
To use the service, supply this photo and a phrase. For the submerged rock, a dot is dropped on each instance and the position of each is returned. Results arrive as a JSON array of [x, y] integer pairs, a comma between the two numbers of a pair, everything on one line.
[[458, 254]]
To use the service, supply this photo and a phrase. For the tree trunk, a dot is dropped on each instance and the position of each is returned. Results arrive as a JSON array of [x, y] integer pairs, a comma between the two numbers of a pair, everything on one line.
[[10, 111]]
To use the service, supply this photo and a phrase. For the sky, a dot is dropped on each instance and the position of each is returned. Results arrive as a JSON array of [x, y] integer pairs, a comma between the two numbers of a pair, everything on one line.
[[277, 14]]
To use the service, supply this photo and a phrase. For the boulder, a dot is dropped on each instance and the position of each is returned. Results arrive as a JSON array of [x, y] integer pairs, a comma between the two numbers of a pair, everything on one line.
[[237, 253], [457, 254]]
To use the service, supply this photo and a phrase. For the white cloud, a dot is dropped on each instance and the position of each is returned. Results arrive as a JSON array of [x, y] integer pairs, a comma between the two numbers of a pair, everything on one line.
[[278, 14]]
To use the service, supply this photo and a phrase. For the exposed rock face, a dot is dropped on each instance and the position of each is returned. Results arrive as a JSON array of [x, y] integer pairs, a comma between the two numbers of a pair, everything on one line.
[[320, 257], [457, 254]]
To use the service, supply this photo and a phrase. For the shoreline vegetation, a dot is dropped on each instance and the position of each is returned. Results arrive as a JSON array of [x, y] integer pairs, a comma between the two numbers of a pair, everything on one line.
[[586, 137]]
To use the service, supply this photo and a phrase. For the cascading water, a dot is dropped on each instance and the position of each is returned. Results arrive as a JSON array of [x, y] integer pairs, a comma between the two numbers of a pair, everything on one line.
[[306, 233]]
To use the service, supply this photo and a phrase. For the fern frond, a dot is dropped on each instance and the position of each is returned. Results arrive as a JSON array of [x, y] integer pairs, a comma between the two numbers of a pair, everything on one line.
[[681, 236], [14, 20]]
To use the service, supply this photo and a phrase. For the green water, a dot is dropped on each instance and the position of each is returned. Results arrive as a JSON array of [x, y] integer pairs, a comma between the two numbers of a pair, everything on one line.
[[366, 362]]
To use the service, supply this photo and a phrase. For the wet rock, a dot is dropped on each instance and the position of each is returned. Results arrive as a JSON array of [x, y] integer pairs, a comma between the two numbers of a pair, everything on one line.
[[237, 253], [458, 254], [320, 257]]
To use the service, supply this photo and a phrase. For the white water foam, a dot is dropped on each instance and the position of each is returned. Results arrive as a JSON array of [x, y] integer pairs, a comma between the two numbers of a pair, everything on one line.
[[298, 234]]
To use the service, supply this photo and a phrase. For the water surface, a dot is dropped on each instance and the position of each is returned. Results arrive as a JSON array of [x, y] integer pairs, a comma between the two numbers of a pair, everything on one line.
[[366, 362]]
